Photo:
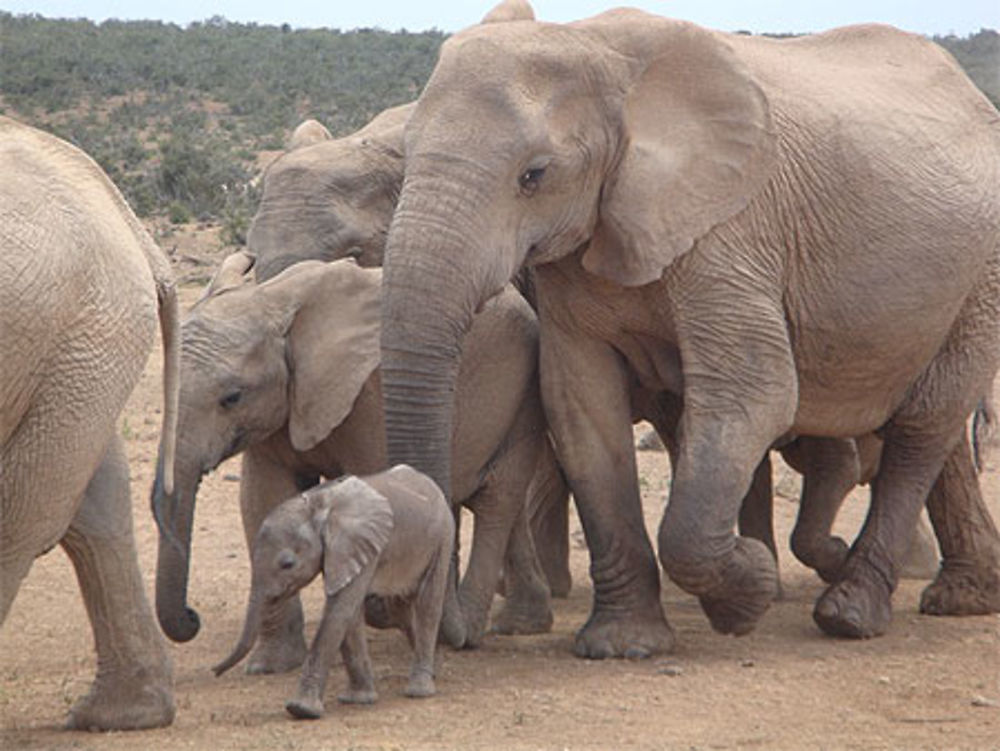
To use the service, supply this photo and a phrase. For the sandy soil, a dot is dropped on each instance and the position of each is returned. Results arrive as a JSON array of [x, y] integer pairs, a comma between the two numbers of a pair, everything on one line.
[[930, 683]]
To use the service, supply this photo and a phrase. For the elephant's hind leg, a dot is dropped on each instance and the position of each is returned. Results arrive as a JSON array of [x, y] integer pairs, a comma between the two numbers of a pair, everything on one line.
[[969, 580], [921, 437], [134, 683]]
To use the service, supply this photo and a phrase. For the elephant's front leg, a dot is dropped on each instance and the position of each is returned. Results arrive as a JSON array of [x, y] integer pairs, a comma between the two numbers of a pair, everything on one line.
[[584, 387], [264, 484], [739, 395]]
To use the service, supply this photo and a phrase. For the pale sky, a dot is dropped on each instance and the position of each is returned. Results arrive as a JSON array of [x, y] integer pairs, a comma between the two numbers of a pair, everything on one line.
[[925, 16]]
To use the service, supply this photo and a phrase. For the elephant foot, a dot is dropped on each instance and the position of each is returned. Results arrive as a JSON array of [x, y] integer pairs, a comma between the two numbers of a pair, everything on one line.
[[629, 634], [520, 618], [747, 585], [826, 557], [855, 608], [962, 589], [277, 655], [305, 708], [132, 705], [560, 582], [420, 685], [358, 696]]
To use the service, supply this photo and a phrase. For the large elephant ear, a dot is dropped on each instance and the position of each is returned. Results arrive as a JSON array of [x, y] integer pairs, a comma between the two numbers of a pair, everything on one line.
[[510, 10], [307, 133], [333, 347], [698, 145], [357, 527]]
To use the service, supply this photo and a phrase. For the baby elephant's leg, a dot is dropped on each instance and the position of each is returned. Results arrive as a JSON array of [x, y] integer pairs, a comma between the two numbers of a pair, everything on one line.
[[361, 680], [426, 615]]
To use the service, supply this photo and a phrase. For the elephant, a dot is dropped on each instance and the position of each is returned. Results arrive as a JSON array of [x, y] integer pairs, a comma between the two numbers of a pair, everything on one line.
[[327, 198], [388, 535], [286, 371], [798, 236], [82, 286]]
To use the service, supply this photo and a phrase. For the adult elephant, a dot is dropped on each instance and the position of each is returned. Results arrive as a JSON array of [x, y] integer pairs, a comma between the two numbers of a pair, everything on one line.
[[81, 284], [799, 236]]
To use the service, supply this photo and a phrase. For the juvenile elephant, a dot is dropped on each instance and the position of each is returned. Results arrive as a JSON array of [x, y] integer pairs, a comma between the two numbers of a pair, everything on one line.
[[287, 371], [759, 225], [81, 287], [388, 535]]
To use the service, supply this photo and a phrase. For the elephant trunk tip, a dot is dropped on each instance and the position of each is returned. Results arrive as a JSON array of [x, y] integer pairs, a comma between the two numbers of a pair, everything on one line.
[[182, 628], [238, 654]]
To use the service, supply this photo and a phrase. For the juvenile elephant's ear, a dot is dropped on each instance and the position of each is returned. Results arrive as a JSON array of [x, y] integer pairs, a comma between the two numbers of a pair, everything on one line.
[[333, 347], [698, 145], [232, 272], [510, 10], [307, 133], [356, 530]]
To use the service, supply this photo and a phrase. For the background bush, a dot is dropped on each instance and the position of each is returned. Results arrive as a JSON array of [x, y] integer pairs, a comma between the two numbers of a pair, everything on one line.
[[177, 116]]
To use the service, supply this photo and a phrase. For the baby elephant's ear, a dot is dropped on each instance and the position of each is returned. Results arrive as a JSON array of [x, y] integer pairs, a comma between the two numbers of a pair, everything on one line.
[[357, 529]]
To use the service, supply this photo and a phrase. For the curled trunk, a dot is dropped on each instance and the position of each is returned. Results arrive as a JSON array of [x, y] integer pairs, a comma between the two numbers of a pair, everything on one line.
[[174, 514]]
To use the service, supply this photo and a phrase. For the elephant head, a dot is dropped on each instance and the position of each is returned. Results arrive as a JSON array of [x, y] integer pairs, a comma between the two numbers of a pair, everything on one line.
[[340, 527], [326, 199], [623, 138], [256, 359]]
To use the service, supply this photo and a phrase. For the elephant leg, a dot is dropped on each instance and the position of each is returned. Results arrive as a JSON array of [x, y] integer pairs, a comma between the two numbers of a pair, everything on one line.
[[548, 508], [264, 484], [969, 580], [830, 470], [527, 605], [586, 397], [134, 683], [341, 612], [740, 395], [425, 615], [756, 517], [921, 437], [360, 677]]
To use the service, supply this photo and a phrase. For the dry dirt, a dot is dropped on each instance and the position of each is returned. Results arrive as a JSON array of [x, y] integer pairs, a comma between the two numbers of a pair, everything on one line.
[[929, 683]]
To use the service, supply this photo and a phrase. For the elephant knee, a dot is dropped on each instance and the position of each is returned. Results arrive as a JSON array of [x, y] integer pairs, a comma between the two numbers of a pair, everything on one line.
[[689, 560]]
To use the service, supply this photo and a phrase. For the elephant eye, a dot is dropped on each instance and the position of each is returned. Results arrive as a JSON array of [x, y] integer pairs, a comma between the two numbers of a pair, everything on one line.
[[231, 399], [530, 179]]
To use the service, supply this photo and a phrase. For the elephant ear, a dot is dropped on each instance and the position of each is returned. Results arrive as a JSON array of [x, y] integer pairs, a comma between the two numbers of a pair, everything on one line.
[[697, 146], [510, 10], [307, 133], [233, 272], [333, 347], [357, 527]]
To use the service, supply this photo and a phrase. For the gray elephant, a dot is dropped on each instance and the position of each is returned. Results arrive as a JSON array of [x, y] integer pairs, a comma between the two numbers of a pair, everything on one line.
[[797, 235], [81, 287], [327, 198], [287, 372], [388, 535]]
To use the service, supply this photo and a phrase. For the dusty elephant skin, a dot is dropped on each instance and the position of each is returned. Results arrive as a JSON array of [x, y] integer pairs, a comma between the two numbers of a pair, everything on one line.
[[388, 535], [81, 288], [287, 372], [732, 219]]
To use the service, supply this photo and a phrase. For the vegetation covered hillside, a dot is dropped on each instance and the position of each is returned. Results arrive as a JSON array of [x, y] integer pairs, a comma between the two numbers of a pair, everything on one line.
[[178, 116]]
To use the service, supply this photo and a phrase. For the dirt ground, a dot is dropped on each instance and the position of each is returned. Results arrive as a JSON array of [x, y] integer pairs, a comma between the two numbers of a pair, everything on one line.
[[930, 683]]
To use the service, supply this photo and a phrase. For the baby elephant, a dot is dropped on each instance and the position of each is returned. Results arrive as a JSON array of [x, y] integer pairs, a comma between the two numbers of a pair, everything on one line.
[[388, 534]]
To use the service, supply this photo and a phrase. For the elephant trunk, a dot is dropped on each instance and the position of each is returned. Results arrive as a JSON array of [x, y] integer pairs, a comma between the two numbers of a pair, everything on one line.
[[248, 637], [430, 292], [174, 513]]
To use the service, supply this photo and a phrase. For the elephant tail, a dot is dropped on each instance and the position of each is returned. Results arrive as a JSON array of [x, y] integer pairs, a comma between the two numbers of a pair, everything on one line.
[[170, 330], [984, 430]]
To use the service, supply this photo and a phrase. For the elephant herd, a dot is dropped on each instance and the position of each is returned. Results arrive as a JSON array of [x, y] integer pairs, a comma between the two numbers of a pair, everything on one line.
[[750, 243]]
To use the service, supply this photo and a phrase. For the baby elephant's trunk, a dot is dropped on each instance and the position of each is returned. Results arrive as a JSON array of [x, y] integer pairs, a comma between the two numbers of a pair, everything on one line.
[[251, 628]]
